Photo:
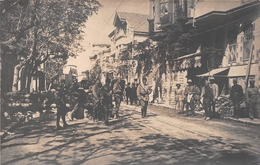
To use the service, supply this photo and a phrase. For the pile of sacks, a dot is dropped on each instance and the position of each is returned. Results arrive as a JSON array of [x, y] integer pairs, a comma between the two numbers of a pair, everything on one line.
[[224, 106]]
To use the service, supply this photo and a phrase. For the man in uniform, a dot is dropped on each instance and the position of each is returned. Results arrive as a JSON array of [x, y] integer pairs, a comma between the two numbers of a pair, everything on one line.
[[236, 96], [207, 95], [179, 96], [143, 92], [252, 99], [128, 93], [106, 100], [133, 94], [96, 90], [117, 91], [214, 88]]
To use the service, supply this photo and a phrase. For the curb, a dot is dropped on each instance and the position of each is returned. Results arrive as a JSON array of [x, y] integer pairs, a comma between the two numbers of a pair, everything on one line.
[[225, 118], [240, 121]]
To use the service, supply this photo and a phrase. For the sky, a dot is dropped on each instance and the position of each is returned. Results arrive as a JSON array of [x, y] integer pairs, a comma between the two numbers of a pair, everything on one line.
[[100, 25]]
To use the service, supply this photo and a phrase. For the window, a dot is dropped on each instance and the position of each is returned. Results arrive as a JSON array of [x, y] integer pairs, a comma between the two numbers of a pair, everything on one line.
[[164, 11]]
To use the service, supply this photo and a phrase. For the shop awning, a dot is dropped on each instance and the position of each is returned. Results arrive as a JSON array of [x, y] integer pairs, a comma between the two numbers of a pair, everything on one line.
[[213, 72], [240, 71]]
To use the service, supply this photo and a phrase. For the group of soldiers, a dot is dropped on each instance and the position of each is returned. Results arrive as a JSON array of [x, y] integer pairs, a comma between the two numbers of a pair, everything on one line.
[[191, 97], [69, 99]]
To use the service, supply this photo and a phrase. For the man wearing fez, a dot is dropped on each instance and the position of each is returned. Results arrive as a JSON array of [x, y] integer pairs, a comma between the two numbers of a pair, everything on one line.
[[143, 91], [236, 96], [252, 99]]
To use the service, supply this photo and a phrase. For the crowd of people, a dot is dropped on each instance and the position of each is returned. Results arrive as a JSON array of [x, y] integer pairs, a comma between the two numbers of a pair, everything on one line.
[[101, 101], [191, 96], [106, 99]]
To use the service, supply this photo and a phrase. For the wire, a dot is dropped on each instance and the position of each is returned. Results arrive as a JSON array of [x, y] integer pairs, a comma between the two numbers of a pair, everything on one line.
[[110, 17]]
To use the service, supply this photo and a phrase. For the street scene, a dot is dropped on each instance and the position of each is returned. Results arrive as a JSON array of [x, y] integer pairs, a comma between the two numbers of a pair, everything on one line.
[[130, 82]]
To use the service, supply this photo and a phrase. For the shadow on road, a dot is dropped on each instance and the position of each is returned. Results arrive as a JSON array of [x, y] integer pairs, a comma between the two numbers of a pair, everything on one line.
[[85, 142]]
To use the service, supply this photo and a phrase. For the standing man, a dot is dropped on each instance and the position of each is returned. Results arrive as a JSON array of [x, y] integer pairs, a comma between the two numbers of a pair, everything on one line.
[[117, 91], [133, 97], [179, 96], [214, 88], [252, 99], [96, 90], [207, 95], [106, 100], [60, 98], [236, 96], [143, 92], [128, 93], [189, 93]]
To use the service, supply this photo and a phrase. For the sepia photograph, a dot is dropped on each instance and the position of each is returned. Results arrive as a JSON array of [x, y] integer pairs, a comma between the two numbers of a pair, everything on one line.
[[130, 82]]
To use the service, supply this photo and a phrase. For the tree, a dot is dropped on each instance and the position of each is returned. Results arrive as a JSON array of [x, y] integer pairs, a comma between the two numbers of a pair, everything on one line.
[[43, 28]]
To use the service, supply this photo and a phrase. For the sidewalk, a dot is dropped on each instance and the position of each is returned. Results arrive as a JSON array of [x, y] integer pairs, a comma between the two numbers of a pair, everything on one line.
[[241, 120]]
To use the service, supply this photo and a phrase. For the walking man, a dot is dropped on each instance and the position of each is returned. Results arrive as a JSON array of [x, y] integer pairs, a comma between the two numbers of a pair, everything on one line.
[[96, 90], [207, 95], [106, 100], [179, 96], [128, 93], [117, 91], [214, 88], [252, 99], [236, 96], [143, 92]]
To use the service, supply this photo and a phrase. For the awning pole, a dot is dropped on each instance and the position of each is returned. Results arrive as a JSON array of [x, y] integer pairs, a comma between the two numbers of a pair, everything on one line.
[[249, 66]]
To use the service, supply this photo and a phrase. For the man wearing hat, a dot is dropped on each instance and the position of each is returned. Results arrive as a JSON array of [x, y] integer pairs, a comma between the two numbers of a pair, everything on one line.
[[214, 88], [236, 96], [191, 96], [252, 99], [143, 91], [179, 97]]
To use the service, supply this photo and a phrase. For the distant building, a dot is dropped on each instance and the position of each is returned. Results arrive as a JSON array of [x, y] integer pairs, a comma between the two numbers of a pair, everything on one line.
[[129, 28]]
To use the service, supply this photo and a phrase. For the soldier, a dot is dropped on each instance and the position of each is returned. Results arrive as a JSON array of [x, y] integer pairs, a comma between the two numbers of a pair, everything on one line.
[[207, 95], [128, 92], [179, 96], [133, 94], [106, 99], [236, 96], [117, 91], [143, 92], [96, 90], [214, 88], [252, 99], [60, 98]]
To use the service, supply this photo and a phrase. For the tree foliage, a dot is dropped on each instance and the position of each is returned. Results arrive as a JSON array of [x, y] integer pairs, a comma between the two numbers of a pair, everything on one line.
[[40, 28]]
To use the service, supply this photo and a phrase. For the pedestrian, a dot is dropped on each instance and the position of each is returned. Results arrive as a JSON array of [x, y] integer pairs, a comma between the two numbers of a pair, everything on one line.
[[118, 92], [252, 95], [62, 109], [214, 88], [236, 96], [179, 97], [96, 91], [106, 100], [143, 91], [191, 96], [128, 93], [207, 95], [133, 97]]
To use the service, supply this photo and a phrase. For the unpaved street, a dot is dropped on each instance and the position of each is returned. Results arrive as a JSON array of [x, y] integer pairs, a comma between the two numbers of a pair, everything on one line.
[[161, 138]]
